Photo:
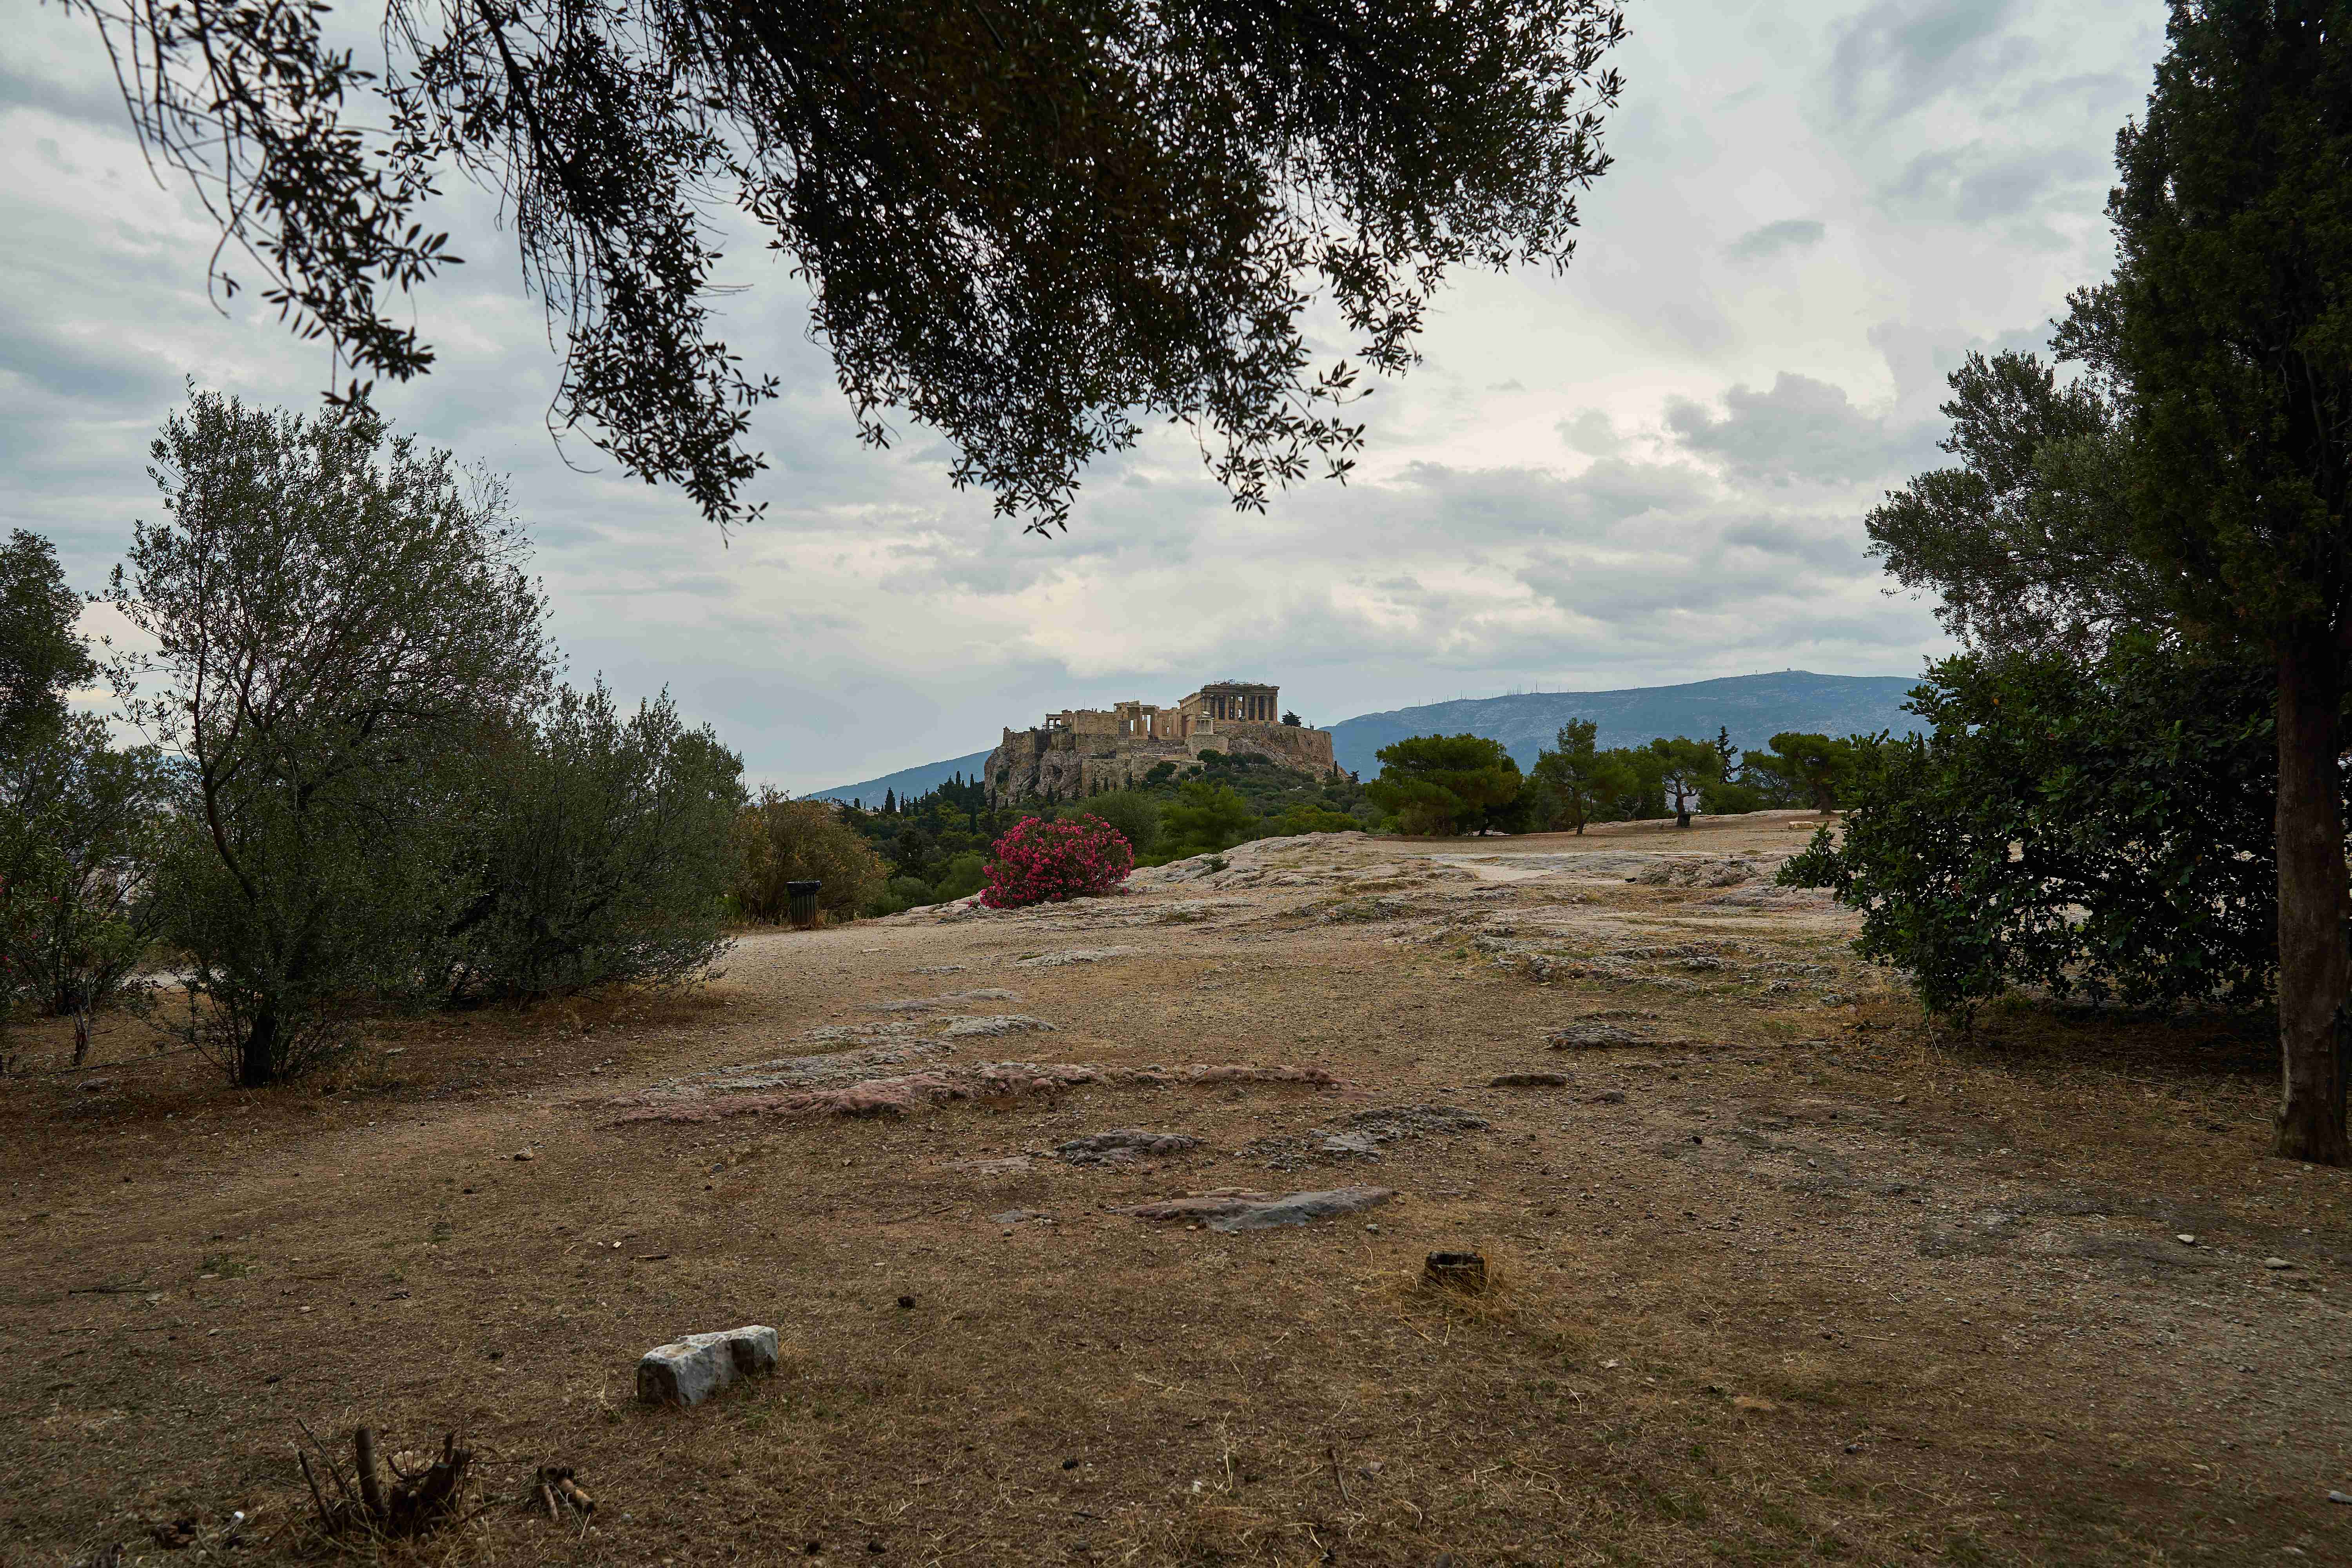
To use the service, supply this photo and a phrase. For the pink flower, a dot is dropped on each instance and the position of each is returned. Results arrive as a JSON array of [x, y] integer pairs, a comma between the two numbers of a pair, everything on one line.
[[1048, 862]]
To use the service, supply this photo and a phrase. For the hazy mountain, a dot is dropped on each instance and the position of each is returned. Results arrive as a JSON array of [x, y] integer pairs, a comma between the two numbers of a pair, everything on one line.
[[906, 781], [1754, 708]]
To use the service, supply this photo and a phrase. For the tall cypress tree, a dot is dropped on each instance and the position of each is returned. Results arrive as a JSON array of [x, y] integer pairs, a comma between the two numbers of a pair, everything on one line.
[[2227, 333]]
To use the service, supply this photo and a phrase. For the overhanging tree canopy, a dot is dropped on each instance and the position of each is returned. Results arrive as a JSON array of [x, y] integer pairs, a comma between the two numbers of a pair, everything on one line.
[[1030, 223]]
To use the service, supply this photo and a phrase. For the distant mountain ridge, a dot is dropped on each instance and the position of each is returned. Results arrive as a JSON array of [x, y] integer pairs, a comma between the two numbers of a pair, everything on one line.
[[1754, 708], [915, 781]]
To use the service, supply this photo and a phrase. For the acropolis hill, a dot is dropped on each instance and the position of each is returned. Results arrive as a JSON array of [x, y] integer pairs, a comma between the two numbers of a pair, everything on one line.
[[1084, 750]]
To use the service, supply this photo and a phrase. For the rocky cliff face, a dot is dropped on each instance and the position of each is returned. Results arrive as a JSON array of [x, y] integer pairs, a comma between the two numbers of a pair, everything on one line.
[[1064, 766]]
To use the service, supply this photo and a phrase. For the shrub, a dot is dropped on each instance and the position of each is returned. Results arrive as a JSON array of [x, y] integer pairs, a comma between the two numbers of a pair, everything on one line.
[[780, 840], [1135, 816], [965, 875], [81, 832], [1204, 816], [1312, 819], [2105, 829], [1046, 862], [605, 852]]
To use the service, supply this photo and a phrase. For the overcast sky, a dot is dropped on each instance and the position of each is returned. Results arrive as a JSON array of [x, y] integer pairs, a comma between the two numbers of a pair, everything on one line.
[[1650, 470]]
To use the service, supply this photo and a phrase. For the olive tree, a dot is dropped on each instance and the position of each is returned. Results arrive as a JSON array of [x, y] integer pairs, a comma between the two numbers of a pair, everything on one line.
[[1036, 228], [335, 613], [605, 851]]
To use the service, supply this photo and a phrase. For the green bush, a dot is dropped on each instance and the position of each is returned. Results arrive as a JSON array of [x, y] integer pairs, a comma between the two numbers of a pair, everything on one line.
[[2106, 830], [1203, 816], [1300, 819], [607, 853], [1135, 815], [81, 840], [780, 840], [966, 874]]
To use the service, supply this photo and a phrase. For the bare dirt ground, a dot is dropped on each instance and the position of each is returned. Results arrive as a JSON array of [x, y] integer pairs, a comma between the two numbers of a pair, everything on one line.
[[1784, 1275]]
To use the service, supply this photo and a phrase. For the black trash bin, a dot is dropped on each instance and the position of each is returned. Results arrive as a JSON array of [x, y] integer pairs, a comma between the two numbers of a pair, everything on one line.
[[800, 903]]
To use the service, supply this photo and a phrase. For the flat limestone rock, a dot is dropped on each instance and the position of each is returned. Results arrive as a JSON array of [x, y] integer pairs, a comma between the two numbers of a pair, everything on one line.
[[951, 999], [990, 1025], [689, 1371], [1237, 1208], [1071, 955], [1123, 1144], [1300, 1207], [1591, 1037]]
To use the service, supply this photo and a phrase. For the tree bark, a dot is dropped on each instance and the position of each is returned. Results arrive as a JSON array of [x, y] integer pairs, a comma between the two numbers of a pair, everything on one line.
[[257, 1062], [2315, 964]]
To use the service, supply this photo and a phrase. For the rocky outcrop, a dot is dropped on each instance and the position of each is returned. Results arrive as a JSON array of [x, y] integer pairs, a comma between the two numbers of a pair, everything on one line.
[[1064, 765]]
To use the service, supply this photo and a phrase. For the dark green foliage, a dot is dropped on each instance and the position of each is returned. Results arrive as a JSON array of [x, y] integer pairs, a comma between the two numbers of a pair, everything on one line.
[[1292, 721], [2104, 831], [1133, 812], [1203, 816], [1446, 783], [2227, 329], [336, 615], [2027, 542], [1309, 818], [1574, 785], [1804, 769], [1036, 228], [81, 835], [1684, 769], [606, 853], [41, 655]]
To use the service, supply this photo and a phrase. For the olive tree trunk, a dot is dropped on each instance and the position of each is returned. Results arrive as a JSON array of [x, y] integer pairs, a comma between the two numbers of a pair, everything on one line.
[[2314, 966]]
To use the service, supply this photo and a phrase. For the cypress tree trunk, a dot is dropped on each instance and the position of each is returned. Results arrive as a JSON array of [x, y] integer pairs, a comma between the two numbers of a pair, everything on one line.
[[2315, 966]]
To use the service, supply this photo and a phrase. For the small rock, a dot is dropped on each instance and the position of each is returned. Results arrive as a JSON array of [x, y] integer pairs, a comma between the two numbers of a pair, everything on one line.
[[1609, 1097], [1018, 1216], [2340, 1497], [905, 1302], [1528, 1080], [2276, 1263], [689, 1371], [2186, 1239], [525, 1154]]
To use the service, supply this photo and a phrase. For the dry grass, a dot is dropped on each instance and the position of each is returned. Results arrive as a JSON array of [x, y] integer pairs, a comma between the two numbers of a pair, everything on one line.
[[1824, 1286]]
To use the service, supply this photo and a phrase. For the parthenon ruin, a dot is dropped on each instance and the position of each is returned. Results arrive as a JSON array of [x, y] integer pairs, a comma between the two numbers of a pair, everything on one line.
[[1080, 752]]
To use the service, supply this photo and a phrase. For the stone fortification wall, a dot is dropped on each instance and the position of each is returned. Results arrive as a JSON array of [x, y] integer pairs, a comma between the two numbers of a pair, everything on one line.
[[1072, 761]]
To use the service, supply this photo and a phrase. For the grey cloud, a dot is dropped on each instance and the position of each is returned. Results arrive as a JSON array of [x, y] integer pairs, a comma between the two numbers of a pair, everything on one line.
[[1800, 429], [1771, 239], [1979, 184], [1591, 433], [1900, 55]]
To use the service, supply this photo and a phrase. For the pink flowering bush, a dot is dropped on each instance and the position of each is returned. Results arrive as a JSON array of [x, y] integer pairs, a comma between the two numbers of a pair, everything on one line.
[[1041, 862]]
